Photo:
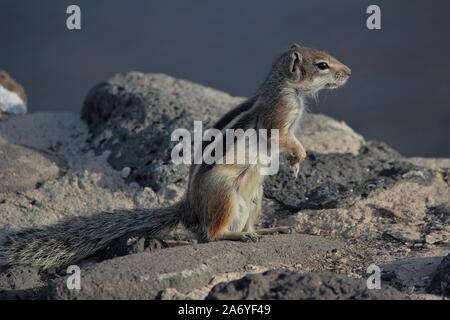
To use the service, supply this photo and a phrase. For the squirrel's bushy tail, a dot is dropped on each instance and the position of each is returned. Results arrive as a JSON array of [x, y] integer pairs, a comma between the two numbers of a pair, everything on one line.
[[74, 239]]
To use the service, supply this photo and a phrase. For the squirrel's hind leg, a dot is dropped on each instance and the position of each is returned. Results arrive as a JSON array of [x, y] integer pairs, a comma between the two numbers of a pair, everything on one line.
[[239, 222]]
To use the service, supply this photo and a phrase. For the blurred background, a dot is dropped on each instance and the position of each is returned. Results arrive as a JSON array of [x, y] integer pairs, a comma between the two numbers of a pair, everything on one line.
[[399, 91]]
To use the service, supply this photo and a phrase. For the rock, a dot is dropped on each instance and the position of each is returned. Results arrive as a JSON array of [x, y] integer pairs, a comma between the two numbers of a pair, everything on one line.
[[170, 194], [62, 133], [322, 134], [415, 272], [440, 283], [436, 237], [446, 176], [86, 184], [23, 168], [132, 116], [288, 285], [21, 283], [404, 233], [18, 278], [339, 180], [441, 212], [12, 95], [432, 163], [398, 210], [126, 172], [146, 198], [185, 268]]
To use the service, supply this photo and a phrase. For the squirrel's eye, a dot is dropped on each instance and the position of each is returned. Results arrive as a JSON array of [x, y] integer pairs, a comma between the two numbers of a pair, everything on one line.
[[322, 65]]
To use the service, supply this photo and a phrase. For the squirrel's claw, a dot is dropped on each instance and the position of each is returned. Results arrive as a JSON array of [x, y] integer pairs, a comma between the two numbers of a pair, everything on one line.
[[295, 169], [251, 237]]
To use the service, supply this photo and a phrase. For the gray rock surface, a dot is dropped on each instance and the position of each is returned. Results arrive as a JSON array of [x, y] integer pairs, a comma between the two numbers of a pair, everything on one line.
[[288, 285], [21, 283], [22, 168], [87, 184], [400, 213], [414, 273], [322, 134], [440, 282], [329, 181], [19, 278], [440, 164], [133, 116], [185, 268]]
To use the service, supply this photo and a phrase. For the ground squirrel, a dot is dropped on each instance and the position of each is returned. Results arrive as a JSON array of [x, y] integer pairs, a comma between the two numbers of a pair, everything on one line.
[[222, 201]]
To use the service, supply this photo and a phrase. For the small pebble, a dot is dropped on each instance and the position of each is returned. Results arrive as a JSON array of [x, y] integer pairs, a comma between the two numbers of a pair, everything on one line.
[[126, 172]]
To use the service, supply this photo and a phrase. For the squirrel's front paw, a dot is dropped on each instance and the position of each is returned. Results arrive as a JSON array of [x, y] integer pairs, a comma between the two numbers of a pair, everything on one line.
[[301, 155], [295, 161], [295, 169], [250, 237]]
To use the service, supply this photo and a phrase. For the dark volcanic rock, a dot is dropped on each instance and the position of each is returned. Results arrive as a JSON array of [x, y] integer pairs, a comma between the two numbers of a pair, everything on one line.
[[288, 285], [446, 176], [440, 283], [337, 180], [134, 115], [441, 212]]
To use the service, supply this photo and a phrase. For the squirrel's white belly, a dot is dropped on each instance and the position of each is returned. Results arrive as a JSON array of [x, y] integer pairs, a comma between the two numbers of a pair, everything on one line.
[[248, 197]]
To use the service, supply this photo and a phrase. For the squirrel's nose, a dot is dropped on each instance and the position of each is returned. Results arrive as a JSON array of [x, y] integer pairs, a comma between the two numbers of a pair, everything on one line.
[[348, 71]]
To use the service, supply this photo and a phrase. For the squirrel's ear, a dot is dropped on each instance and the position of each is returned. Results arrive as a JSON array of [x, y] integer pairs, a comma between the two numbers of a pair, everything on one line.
[[296, 46], [296, 61]]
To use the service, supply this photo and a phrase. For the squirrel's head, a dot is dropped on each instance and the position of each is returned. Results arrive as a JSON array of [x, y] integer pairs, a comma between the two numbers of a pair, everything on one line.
[[308, 70]]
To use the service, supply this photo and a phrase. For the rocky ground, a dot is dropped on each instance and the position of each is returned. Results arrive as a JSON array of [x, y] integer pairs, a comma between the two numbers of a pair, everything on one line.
[[355, 203]]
